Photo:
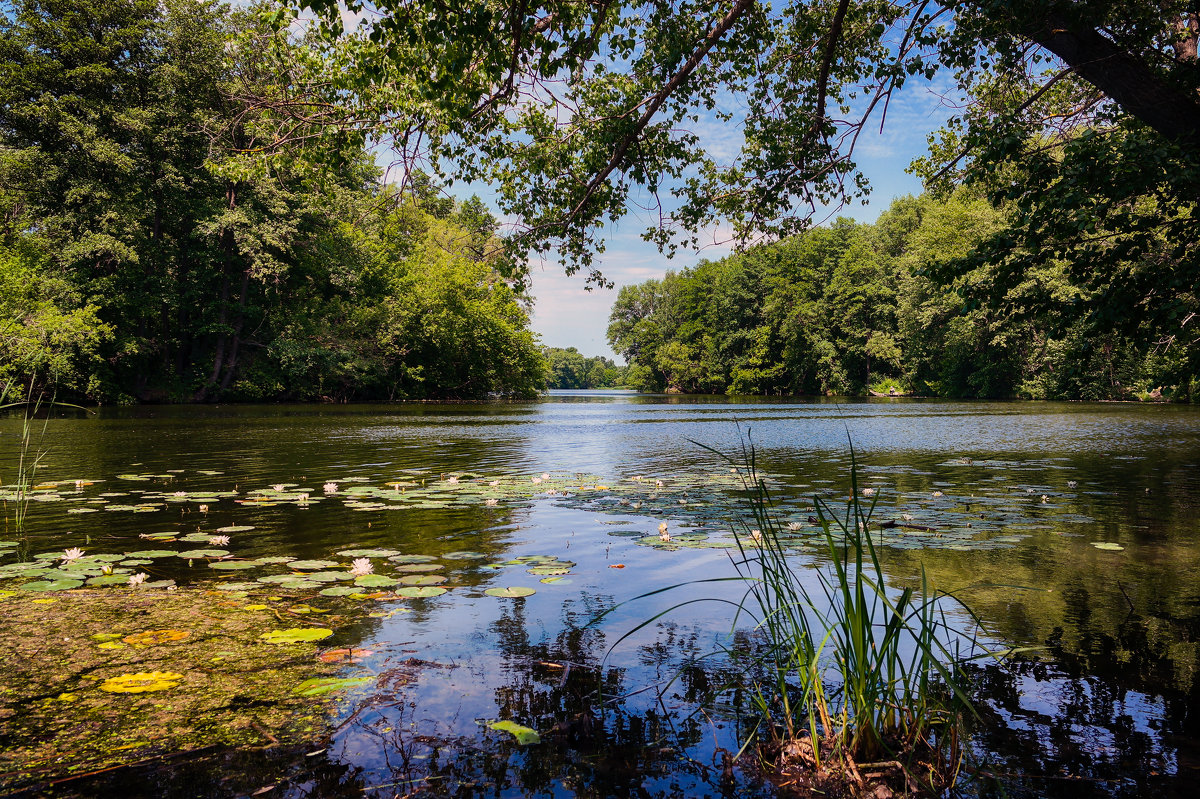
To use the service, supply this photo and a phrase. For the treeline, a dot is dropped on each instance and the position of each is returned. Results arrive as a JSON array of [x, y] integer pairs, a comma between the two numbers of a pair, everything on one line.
[[568, 368], [167, 233], [858, 308]]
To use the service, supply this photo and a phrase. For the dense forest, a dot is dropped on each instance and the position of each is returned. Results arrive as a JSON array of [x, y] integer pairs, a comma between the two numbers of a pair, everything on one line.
[[568, 368], [857, 308], [152, 249]]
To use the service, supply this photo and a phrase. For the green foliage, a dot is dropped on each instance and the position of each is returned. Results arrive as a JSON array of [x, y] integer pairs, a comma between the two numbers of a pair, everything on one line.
[[856, 308], [169, 232], [567, 368]]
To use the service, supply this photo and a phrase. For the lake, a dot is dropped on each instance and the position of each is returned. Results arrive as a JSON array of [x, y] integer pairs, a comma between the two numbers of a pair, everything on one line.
[[508, 528]]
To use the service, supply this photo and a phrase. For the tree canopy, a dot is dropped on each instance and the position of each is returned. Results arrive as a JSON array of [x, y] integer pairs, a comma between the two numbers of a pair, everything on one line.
[[151, 248]]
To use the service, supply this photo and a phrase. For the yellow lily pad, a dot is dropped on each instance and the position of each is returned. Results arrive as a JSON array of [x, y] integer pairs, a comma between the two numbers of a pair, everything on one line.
[[141, 682]]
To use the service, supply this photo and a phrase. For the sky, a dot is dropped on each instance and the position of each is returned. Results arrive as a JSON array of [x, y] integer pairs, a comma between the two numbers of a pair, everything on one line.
[[566, 314]]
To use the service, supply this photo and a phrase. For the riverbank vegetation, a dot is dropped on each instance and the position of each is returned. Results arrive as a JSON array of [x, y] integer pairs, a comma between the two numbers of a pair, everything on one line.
[[568, 368], [152, 249], [867, 308]]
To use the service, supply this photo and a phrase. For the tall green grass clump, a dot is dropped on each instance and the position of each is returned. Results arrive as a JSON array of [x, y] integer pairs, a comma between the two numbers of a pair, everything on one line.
[[858, 672]]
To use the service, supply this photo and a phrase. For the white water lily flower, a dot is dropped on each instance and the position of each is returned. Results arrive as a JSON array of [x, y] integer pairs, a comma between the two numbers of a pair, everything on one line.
[[868, 492], [204, 509], [179, 494], [662, 532], [756, 535], [452, 480], [278, 487], [658, 483], [494, 483], [74, 553], [137, 579], [106, 568], [1045, 499], [937, 494], [537, 481], [1071, 484], [361, 567], [545, 475], [908, 517], [794, 526], [490, 501], [330, 488], [218, 540], [302, 499]]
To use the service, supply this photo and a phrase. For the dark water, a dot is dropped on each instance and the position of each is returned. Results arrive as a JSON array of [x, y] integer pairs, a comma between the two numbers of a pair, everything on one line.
[[1107, 706]]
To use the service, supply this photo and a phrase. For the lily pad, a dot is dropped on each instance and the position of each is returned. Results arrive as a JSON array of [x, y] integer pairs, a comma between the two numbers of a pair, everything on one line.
[[422, 579], [420, 591], [236, 528], [152, 553], [151, 637], [418, 567], [316, 686], [50, 585], [235, 565], [410, 558], [196, 554], [465, 555], [141, 682], [375, 581], [340, 590], [1105, 545], [524, 735], [296, 635], [313, 565], [510, 592], [108, 579], [368, 553]]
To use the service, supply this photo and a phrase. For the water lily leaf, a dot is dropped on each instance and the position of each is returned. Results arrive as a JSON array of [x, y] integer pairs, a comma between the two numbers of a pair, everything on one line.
[[329, 577], [375, 581], [524, 735], [111, 645], [420, 591], [1105, 545], [50, 585], [236, 528], [304, 610], [276, 559], [235, 565], [419, 567], [510, 592], [344, 655], [410, 559], [316, 686], [151, 553], [296, 635], [195, 538], [549, 570], [556, 579], [299, 582], [340, 590], [141, 682], [368, 553], [108, 579], [236, 586], [464, 555], [422, 579], [203, 553], [312, 565], [151, 637]]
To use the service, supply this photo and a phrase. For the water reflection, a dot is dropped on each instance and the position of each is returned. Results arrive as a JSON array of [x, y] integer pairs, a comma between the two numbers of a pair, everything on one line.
[[1109, 706]]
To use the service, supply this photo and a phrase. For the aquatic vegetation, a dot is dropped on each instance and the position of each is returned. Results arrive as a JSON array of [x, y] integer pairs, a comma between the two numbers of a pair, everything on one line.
[[137, 580], [510, 592], [142, 682], [152, 637], [296, 635], [72, 554], [524, 735], [361, 567], [316, 686]]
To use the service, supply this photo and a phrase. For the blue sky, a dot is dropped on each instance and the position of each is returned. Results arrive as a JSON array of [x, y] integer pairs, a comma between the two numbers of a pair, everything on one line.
[[567, 315]]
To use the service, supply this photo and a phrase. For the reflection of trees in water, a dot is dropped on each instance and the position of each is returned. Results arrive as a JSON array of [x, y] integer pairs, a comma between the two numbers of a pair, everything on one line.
[[1107, 715]]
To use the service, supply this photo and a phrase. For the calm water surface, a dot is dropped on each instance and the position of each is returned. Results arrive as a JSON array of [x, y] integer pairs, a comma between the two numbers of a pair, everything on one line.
[[1107, 706]]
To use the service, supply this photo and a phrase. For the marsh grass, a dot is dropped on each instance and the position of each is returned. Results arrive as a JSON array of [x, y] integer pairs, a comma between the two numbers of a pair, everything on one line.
[[858, 680]]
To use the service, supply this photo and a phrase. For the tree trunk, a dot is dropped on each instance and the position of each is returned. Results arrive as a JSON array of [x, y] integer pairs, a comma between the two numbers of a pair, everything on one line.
[[1139, 90]]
